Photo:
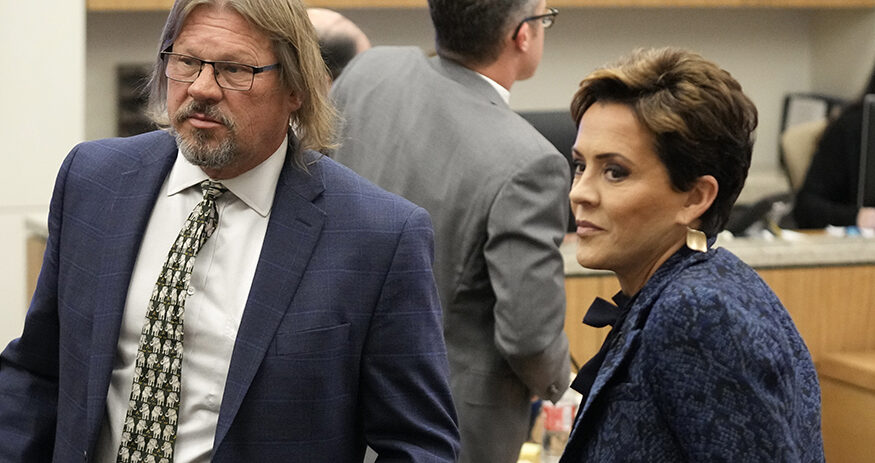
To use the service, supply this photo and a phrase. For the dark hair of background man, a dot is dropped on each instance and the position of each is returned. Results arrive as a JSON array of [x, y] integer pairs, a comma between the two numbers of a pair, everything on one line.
[[337, 51]]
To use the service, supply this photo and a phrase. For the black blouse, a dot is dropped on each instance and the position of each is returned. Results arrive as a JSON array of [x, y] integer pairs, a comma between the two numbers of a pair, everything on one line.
[[829, 194], [601, 313]]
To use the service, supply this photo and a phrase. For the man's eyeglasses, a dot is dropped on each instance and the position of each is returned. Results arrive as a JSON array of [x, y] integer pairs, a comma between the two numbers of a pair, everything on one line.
[[228, 74], [547, 20]]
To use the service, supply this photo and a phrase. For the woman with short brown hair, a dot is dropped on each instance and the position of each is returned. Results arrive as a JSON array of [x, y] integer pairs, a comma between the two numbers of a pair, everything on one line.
[[703, 362]]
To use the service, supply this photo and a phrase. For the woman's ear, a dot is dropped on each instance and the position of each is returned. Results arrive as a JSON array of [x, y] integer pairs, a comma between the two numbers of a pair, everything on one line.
[[699, 199]]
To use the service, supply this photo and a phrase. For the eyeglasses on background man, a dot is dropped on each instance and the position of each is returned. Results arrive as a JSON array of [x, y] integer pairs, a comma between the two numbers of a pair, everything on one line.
[[547, 20]]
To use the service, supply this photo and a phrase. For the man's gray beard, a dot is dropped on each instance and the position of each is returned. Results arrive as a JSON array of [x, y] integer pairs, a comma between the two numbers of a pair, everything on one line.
[[197, 151]]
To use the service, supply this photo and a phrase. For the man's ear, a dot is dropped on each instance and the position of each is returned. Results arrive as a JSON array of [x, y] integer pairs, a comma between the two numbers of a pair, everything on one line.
[[523, 37], [699, 199], [295, 102]]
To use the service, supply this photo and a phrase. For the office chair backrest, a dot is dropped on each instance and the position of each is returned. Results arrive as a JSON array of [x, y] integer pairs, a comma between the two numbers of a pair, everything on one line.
[[558, 128], [804, 117], [798, 143]]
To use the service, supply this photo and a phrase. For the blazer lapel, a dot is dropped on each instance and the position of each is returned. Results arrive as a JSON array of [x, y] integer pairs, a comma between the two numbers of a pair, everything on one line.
[[128, 213], [292, 234], [627, 341]]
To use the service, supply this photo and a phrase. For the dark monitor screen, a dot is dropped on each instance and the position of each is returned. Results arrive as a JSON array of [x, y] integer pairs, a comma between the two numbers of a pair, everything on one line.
[[558, 128], [866, 191]]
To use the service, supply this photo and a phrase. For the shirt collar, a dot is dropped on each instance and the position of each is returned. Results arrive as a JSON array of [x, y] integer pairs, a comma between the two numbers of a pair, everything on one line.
[[502, 92], [255, 187]]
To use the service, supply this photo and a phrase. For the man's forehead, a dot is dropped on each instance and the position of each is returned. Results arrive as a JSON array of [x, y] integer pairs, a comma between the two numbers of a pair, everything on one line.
[[221, 30]]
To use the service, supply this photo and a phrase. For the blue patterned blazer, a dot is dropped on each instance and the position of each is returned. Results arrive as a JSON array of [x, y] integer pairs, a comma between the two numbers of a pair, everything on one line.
[[707, 366], [340, 344]]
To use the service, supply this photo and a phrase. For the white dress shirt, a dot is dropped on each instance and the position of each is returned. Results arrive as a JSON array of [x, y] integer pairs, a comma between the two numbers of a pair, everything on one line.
[[503, 92], [217, 294]]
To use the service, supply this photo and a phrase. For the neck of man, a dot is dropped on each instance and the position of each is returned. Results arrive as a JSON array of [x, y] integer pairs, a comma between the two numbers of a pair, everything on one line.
[[509, 67], [499, 70]]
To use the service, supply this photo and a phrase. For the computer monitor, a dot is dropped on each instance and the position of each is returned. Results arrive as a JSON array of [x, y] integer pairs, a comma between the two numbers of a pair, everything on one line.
[[558, 128], [866, 190]]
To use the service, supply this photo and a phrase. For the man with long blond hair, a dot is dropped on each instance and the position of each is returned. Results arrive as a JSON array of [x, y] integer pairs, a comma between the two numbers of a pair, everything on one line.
[[295, 316]]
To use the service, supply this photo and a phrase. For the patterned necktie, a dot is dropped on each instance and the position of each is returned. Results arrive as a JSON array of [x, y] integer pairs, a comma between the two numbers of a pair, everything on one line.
[[149, 432]]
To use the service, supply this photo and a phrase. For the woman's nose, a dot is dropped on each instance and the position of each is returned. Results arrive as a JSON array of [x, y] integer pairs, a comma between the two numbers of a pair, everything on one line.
[[582, 191]]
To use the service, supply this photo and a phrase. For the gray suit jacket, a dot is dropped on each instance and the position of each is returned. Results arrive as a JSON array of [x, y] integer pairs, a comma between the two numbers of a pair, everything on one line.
[[438, 134]]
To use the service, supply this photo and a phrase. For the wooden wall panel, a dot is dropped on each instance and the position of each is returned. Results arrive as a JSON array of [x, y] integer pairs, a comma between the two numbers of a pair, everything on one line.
[[847, 421], [833, 307], [36, 246], [585, 340]]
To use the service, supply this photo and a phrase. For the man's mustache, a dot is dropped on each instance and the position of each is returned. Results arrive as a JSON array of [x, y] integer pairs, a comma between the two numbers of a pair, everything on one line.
[[210, 111]]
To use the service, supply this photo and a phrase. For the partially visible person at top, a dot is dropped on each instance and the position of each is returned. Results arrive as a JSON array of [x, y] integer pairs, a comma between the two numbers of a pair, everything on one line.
[[829, 194], [340, 39], [220, 291], [439, 131], [702, 362]]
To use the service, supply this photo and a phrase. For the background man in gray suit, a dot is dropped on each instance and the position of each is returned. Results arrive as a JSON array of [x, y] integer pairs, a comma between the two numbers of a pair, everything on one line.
[[439, 132]]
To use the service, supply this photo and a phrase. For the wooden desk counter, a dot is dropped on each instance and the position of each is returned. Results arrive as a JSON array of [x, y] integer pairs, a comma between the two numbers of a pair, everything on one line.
[[847, 386], [826, 283]]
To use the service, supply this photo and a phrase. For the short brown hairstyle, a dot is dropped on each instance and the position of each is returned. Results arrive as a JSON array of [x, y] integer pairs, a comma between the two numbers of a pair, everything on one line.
[[297, 49], [700, 119]]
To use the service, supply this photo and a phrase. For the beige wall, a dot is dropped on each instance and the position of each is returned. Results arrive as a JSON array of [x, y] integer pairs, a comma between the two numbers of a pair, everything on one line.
[[843, 48], [770, 51], [41, 118]]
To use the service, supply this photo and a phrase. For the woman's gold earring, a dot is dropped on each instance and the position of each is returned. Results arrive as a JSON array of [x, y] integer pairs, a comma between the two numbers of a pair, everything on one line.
[[696, 240]]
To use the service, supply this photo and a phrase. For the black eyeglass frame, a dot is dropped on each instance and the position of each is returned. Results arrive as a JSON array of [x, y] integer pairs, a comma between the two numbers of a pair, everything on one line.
[[255, 69], [553, 12]]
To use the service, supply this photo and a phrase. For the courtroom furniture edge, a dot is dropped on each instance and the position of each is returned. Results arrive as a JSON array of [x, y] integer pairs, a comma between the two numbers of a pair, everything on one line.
[[812, 251], [159, 5], [847, 381], [857, 368], [35, 226], [809, 251]]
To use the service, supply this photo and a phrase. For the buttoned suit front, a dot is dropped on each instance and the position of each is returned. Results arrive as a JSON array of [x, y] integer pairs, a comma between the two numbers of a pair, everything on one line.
[[440, 135], [339, 345]]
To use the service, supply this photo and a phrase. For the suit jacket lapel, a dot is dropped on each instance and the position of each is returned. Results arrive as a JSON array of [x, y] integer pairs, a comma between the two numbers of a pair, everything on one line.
[[128, 214], [292, 234], [627, 341]]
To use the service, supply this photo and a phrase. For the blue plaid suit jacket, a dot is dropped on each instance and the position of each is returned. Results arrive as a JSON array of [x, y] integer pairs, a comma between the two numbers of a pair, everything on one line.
[[340, 342]]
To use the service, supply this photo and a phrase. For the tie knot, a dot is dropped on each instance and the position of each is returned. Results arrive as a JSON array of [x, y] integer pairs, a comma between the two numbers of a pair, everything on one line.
[[212, 190]]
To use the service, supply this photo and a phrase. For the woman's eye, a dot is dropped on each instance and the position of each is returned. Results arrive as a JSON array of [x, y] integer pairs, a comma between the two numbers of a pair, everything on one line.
[[613, 172], [579, 166]]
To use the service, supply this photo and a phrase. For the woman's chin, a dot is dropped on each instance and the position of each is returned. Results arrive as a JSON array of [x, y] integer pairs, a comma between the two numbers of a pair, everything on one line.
[[591, 262]]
